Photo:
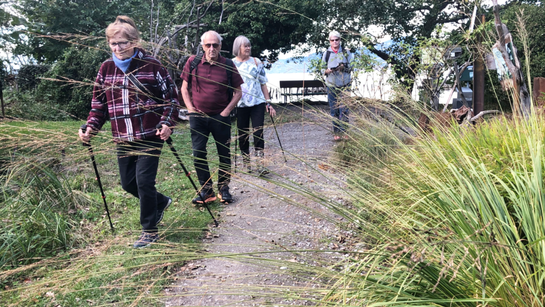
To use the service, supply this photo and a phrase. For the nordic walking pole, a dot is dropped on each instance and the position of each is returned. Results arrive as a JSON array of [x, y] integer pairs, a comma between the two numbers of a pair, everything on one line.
[[188, 175], [272, 120], [236, 145], [90, 149]]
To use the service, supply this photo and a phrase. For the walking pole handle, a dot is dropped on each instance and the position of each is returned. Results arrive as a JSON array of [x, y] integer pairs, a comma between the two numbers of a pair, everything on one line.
[[84, 129]]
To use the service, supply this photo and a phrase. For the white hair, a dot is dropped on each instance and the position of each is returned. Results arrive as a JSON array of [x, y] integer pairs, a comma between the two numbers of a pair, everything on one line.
[[211, 32], [334, 34], [239, 42]]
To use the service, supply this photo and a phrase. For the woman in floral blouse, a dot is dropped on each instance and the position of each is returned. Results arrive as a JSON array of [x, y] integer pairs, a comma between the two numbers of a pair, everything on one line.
[[255, 101]]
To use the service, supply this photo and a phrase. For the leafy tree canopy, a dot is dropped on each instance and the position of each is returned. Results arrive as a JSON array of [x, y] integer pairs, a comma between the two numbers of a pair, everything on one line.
[[402, 23], [274, 25], [529, 18], [271, 25], [43, 19]]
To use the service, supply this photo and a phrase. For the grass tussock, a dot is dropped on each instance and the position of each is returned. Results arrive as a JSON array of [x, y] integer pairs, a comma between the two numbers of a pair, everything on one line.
[[451, 217], [45, 200]]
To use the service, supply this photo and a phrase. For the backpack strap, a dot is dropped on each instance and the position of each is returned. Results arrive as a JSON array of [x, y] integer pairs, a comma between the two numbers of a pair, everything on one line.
[[229, 69], [193, 65], [195, 62], [141, 86], [327, 55]]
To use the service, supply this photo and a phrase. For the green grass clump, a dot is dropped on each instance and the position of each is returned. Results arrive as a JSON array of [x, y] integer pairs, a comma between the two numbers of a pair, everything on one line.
[[452, 218], [38, 204]]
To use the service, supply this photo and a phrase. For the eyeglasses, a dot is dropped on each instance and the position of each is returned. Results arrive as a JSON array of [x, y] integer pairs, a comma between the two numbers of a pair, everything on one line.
[[212, 45], [334, 40], [120, 44]]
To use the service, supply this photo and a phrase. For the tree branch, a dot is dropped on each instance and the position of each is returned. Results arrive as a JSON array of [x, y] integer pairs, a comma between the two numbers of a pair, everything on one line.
[[179, 28]]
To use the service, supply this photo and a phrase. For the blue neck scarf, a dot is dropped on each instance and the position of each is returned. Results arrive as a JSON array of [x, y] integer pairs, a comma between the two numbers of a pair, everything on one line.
[[123, 64]]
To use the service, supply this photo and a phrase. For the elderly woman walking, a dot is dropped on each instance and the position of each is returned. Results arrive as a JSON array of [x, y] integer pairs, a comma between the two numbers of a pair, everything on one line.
[[136, 93], [255, 101]]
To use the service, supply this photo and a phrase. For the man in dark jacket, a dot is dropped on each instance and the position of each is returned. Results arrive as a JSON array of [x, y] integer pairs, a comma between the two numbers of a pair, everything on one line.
[[206, 93]]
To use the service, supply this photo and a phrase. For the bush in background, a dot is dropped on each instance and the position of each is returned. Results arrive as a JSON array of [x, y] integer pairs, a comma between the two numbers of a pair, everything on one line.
[[69, 83], [61, 92], [28, 76], [24, 105]]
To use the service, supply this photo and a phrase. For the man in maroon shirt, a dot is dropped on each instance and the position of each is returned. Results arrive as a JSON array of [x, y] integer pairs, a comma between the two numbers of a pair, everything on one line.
[[205, 91]]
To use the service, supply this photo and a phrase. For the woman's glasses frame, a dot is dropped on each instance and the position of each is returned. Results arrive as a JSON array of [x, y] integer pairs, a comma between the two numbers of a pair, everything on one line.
[[120, 44]]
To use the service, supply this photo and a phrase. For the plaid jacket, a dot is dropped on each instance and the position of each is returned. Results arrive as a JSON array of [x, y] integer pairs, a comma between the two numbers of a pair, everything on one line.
[[134, 114]]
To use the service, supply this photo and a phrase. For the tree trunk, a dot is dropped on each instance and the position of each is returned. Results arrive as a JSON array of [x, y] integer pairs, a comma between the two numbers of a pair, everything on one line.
[[522, 96]]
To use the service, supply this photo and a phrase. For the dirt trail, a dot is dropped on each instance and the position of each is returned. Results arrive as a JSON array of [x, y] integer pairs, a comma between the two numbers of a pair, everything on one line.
[[265, 222]]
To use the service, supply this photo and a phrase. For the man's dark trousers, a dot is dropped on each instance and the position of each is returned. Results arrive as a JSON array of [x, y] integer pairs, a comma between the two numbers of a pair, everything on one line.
[[220, 128], [338, 110]]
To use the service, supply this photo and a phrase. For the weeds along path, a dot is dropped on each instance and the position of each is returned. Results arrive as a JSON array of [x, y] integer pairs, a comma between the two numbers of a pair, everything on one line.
[[279, 233]]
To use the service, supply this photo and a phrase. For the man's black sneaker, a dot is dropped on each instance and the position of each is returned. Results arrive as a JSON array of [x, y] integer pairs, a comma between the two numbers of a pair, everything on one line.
[[225, 196], [207, 194], [146, 238], [161, 213]]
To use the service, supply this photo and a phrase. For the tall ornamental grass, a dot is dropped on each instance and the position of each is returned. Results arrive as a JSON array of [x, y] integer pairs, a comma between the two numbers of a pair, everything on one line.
[[37, 204], [453, 217]]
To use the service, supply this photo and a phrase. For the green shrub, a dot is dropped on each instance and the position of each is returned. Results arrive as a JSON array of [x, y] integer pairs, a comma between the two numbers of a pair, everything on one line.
[[456, 220], [495, 98], [69, 86], [24, 105], [28, 76]]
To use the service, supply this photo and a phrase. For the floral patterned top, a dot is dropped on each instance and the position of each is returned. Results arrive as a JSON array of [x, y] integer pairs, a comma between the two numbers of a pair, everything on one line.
[[253, 74]]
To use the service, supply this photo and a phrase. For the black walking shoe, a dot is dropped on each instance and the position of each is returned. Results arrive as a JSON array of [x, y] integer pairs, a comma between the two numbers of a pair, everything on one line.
[[161, 213], [207, 194], [146, 238], [225, 196], [262, 171]]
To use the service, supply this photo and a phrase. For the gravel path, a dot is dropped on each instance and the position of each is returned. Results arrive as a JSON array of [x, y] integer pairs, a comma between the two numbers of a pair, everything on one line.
[[248, 257]]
